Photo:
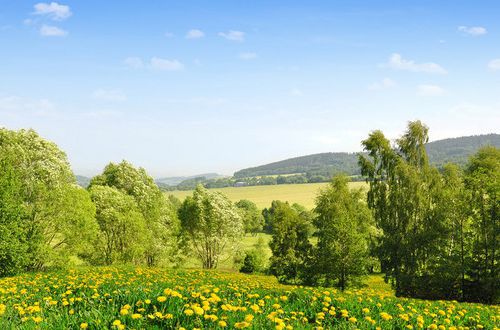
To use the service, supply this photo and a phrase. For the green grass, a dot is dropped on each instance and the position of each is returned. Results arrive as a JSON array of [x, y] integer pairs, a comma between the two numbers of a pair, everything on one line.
[[303, 194]]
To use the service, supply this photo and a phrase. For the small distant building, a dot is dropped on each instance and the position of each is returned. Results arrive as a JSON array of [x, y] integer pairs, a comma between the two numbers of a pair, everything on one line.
[[240, 184]]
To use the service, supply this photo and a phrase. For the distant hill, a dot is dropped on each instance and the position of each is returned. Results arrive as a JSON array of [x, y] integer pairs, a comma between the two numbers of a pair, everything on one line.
[[320, 163], [175, 180], [82, 181], [455, 150], [458, 150]]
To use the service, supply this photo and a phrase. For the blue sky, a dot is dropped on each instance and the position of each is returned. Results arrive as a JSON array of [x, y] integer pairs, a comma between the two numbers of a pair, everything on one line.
[[185, 87]]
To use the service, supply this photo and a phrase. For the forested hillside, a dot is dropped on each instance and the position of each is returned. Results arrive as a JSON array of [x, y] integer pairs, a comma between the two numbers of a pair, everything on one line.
[[456, 150]]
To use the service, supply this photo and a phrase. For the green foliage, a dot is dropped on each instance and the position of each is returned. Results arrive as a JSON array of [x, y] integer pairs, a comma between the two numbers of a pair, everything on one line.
[[483, 182], [253, 221], [123, 235], [290, 242], [255, 259], [13, 253], [343, 225], [43, 207], [160, 221], [439, 233], [248, 263], [211, 223]]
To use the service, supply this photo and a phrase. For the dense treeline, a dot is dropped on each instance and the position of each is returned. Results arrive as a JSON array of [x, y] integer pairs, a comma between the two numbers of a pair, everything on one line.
[[432, 231], [310, 177]]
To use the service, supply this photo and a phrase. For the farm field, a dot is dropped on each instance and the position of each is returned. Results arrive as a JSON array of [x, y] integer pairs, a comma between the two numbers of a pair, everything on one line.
[[303, 194], [138, 298]]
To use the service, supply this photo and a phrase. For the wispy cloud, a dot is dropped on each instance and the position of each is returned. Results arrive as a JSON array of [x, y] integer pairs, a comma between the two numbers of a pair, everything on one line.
[[163, 64], [474, 31], [233, 35], [52, 31], [109, 95], [134, 62], [385, 83], [195, 34], [53, 11], [494, 64], [397, 62], [168, 34], [248, 56], [296, 92], [430, 90]]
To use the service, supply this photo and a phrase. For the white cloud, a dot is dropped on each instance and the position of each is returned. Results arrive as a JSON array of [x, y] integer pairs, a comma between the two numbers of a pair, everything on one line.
[[195, 34], [233, 35], [296, 92], [52, 31], [474, 31], [396, 62], [385, 83], [53, 10], [109, 95], [169, 34], [248, 56], [494, 64], [155, 63], [134, 62], [430, 90], [162, 64]]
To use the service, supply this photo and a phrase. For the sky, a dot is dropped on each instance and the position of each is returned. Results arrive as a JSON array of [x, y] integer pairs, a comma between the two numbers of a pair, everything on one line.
[[189, 87]]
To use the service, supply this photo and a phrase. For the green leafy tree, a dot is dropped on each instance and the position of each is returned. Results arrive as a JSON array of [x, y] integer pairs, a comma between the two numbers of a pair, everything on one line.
[[343, 226], [13, 253], [123, 233], [253, 221], [155, 207], [290, 243], [483, 183], [46, 189], [212, 225], [403, 193]]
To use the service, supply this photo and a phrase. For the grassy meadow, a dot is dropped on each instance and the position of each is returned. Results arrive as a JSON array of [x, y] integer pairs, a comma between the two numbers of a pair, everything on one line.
[[262, 196], [154, 298]]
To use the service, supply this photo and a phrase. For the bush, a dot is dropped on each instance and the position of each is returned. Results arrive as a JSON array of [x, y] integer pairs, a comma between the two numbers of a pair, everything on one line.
[[248, 264]]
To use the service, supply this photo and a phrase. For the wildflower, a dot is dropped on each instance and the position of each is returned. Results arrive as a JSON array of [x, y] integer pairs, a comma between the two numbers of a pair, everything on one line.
[[189, 312], [161, 299], [84, 325], [222, 324]]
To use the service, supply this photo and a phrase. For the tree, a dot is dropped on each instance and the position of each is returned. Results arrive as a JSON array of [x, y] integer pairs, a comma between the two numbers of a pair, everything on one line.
[[13, 253], [290, 243], [42, 189], [123, 234], [403, 194], [483, 183], [160, 222], [211, 223], [253, 221], [343, 226]]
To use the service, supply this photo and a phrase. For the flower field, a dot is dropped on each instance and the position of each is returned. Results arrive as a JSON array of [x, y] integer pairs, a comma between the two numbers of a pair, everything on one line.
[[126, 298]]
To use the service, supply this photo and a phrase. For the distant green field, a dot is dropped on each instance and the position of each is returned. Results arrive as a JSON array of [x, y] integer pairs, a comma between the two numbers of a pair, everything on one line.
[[303, 194]]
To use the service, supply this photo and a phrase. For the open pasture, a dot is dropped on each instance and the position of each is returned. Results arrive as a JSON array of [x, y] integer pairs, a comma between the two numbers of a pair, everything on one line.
[[303, 194]]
